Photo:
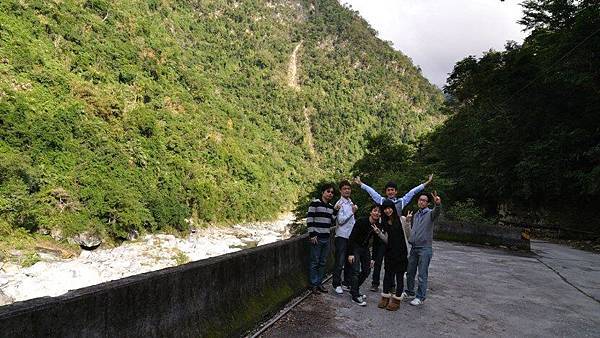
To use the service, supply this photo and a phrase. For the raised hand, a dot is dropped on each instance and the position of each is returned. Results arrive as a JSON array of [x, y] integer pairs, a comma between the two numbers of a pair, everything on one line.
[[429, 179], [436, 198], [357, 180], [409, 216]]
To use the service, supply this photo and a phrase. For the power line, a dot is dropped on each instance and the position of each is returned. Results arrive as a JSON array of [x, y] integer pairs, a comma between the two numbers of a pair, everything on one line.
[[551, 66]]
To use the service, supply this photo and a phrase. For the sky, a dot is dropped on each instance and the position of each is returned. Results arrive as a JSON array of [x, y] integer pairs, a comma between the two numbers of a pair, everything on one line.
[[436, 34]]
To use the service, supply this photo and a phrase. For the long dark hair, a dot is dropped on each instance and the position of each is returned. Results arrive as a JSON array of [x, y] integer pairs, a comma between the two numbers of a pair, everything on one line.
[[398, 231], [393, 216]]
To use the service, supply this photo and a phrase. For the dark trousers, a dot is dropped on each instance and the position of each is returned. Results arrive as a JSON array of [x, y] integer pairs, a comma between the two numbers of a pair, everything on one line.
[[360, 269], [378, 252], [318, 258], [341, 263], [388, 281]]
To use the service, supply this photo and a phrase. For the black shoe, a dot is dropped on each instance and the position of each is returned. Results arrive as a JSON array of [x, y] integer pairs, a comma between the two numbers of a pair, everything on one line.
[[374, 288], [321, 289], [359, 301]]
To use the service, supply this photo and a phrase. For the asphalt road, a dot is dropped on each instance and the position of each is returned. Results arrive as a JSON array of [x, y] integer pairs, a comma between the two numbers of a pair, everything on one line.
[[473, 291]]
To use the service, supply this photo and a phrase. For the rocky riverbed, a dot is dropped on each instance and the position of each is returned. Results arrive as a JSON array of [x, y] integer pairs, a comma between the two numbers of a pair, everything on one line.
[[53, 276]]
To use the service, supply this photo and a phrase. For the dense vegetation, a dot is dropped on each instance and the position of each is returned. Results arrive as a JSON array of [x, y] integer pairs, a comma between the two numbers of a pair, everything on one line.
[[526, 124], [149, 115], [523, 130]]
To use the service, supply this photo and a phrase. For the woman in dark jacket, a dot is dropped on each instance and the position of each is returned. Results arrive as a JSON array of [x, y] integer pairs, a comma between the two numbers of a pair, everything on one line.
[[395, 256]]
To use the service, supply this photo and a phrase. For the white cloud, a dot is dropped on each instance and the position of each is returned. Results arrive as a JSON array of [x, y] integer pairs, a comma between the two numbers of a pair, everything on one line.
[[436, 34]]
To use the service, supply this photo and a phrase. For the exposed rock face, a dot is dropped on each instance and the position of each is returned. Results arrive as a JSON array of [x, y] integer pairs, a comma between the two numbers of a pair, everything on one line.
[[43, 231], [133, 235], [4, 299], [87, 240], [56, 234]]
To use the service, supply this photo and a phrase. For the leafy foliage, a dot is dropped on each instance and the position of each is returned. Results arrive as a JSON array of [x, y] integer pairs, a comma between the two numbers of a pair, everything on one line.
[[467, 211], [144, 115], [526, 128]]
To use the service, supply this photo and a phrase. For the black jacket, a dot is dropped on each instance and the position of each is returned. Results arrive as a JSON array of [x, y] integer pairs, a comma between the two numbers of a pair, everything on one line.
[[396, 250], [361, 235]]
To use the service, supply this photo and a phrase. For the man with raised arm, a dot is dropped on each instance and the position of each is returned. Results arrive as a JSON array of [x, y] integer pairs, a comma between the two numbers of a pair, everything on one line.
[[391, 192]]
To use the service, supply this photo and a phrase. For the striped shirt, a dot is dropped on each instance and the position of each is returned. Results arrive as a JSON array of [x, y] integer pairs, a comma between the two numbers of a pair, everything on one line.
[[320, 218]]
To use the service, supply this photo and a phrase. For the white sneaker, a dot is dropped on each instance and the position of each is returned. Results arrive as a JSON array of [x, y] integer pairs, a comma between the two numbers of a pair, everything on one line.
[[416, 302], [405, 295], [363, 297], [338, 290]]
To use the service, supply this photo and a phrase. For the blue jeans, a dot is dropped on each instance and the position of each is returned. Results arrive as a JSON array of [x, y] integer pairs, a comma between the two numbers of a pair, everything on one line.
[[420, 257], [318, 257]]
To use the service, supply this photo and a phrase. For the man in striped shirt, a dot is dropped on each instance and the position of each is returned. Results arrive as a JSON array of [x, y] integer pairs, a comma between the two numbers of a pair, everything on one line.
[[321, 216]]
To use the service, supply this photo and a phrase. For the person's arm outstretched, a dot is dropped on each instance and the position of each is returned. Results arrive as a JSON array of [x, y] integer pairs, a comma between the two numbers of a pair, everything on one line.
[[405, 200], [374, 194]]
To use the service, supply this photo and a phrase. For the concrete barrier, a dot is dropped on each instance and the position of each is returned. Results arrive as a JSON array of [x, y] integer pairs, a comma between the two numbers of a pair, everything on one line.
[[480, 234], [219, 296]]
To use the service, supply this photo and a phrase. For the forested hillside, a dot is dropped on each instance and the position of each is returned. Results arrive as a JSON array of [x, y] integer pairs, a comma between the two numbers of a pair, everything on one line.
[[522, 139], [525, 129], [146, 115]]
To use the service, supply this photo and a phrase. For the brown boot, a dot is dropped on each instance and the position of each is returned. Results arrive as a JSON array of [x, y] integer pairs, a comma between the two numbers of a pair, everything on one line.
[[394, 304], [385, 299]]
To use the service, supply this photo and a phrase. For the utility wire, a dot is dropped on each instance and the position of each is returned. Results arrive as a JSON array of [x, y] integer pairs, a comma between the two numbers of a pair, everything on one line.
[[551, 66]]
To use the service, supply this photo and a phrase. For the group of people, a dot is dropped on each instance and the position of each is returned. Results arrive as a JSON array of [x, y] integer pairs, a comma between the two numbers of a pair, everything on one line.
[[381, 238]]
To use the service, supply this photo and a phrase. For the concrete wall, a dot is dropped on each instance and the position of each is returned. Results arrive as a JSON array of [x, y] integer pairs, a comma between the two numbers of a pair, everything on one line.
[[220, 296], [480, 234]]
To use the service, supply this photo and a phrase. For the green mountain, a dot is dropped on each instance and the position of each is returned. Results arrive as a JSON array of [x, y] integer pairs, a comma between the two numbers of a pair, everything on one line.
[[144, 115]]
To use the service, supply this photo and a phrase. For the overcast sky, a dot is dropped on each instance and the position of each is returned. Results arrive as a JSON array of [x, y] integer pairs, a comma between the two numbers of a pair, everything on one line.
[[436, 34]]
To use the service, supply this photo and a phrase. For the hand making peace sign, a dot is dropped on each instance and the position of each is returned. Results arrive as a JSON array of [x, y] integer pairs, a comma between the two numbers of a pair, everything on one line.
[[436, 198]]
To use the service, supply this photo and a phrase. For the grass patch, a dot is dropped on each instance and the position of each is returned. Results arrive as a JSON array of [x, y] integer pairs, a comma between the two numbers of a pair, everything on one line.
[[180, 257], [21, 247]]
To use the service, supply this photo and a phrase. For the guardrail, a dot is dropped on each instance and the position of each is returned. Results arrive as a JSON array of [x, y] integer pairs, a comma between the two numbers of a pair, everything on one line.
[[219, 296], [467, 232]]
